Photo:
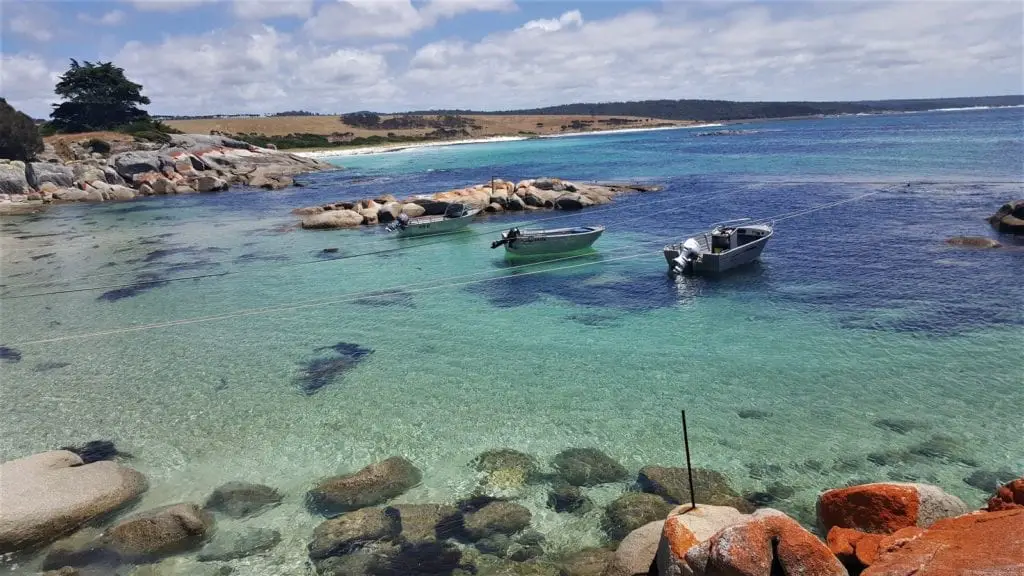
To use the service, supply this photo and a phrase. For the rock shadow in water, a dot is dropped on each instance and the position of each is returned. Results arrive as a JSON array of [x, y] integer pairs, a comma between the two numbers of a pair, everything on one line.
[[41, 256], [47, 366], [145, 283], [387, 298], [634, 293], [257, 257], [9, 355], [320, 372]]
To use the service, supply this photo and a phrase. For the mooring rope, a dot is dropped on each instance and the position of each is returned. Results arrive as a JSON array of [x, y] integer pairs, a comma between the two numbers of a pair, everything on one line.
[[410, 288]]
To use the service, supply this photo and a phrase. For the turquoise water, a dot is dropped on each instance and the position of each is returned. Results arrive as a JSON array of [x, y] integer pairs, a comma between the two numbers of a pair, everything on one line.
[[856, 314]]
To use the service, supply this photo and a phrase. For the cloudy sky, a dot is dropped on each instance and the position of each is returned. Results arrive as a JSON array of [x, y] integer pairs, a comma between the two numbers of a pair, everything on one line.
[[256, 56]]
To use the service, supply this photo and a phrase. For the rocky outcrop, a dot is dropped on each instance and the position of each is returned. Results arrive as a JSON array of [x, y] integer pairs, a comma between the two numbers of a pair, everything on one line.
[[587, 467], [374, 484], [979, 543], [48, 495], [332, 219], [1008, 497], [242, 499], [524, 195], [188, 163], [1009, 219], [884, 508], [160, 532], [764, 543], [687, 527], [631, 511]]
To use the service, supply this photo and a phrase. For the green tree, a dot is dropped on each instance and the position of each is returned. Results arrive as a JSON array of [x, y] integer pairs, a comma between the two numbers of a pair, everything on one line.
[[97, 97], [19, 137]]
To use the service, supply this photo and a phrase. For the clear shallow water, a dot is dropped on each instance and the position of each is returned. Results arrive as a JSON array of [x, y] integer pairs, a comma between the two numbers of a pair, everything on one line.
[[856, 314]]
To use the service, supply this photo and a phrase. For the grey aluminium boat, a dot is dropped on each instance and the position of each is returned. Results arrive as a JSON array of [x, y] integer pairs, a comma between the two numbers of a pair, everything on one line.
[[555, 241], [456, 217], [722, 249]]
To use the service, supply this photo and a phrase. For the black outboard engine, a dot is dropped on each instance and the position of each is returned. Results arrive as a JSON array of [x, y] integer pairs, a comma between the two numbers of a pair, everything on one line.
[[509, 236], [400, 223]]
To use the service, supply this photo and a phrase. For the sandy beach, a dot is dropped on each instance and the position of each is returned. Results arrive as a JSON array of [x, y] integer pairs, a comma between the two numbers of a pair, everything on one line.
[[386, 148]]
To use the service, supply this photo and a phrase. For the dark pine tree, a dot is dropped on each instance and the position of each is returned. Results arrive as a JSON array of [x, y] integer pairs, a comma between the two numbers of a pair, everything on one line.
[[97, 96], [19, 137]]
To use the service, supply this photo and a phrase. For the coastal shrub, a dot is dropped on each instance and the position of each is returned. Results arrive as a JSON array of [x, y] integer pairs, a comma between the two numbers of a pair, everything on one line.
[[97, 96], [19, 137], [366, 120], [97, 145]]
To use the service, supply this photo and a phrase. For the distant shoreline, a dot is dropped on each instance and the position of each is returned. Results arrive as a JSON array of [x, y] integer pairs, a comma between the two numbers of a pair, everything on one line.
[[397, 147]]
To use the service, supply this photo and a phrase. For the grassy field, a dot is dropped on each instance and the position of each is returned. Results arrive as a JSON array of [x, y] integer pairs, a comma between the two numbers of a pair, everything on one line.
[[511, 125]]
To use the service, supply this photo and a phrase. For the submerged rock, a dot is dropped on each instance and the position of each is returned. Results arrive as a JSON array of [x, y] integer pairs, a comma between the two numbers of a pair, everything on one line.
[[564, 497], [989, 480], [374, 484], [673, 485], [428, 523], [587, 467], [1008, 497], [160, 532], [505, 471], [230, 545], [242, 499], [587, 562], [631, 511], [496, 518], [47, 495], [10, 355], [973, 242], [350, 531]]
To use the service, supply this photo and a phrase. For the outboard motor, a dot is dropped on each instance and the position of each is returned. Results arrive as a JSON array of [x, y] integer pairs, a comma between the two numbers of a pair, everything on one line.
[[689, 253], [400, 223], [507, 238]]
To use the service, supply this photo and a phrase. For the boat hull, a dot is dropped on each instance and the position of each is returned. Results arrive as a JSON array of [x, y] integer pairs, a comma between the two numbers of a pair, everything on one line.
[[708, 263], [435, 225], [540, 245]]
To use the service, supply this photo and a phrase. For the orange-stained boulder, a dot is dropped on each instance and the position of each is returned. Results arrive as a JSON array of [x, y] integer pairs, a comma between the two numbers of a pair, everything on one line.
[[855, 549], [685, 528], [1008, 497], [983, 543], [760, 545], [884, 508]]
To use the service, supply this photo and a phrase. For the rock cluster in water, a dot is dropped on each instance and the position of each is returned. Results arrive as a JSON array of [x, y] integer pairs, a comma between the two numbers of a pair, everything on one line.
[[883, 529], [496, 196], [189, 163], [1009, 219]]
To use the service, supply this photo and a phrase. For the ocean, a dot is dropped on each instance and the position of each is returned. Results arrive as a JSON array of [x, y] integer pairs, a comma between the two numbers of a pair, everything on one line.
[[213, 340]]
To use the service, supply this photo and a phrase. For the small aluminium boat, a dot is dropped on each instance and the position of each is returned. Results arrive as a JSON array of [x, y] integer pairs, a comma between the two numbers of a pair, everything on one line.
[[722, 249], [540, 242], [455, 217]]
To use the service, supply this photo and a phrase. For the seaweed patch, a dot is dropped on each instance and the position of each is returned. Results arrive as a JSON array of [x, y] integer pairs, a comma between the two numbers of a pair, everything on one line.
[[320, 372], [9, 355]]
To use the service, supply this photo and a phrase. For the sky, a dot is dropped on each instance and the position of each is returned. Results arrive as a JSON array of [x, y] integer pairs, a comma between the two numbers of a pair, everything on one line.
[[335, 56]]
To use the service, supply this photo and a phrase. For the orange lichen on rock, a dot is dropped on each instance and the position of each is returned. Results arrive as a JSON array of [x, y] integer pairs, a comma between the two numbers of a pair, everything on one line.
[[979, 543], [875, 508], [855, 549], [1008, 496]]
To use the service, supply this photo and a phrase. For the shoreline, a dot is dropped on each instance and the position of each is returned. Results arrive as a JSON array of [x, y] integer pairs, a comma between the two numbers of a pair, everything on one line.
[[399, 146]]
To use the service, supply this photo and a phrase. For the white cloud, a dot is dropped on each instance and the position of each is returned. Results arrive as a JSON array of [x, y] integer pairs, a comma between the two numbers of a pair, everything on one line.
[[167, 5], [112, 18], [34, 21], [256, 70], [27, 81], [569, 19], [266, 9], [347, 19]]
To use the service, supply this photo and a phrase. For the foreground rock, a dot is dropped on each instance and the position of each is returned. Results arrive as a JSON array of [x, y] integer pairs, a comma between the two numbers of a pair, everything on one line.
[[496, 518], [47, 495], [980, 543], [1008, 497], [1009, 219], [188, 163], [374, 484], [348, 532], [233, 544], [428, 523], [587, 467], [160, 532], [587, 562], [242, 499], [884, 508], [637, 552], [499, 196], [685, 528], [764, 543]]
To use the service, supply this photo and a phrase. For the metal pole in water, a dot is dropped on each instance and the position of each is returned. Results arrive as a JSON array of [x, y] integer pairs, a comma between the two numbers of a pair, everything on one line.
[[689, 469]]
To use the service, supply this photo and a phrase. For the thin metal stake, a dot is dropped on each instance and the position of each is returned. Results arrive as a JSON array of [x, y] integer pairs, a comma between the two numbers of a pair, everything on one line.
[[689, 469]]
